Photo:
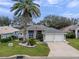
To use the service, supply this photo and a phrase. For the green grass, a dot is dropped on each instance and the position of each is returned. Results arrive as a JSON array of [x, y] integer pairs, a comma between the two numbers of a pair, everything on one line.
[[74, 43], [40, 50]]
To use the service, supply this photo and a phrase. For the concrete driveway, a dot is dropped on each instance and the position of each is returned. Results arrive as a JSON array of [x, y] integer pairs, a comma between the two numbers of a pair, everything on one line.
[[62, 49]]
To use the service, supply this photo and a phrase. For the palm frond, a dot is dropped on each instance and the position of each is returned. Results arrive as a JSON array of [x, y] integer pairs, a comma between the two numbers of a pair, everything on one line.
[[26, 8], [36, 4], [15, 6], [35, 11]]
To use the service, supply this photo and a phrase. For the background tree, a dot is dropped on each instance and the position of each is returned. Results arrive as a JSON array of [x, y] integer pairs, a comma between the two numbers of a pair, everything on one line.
[[4, 21], [18, 24], [26, 10], [58, 22]]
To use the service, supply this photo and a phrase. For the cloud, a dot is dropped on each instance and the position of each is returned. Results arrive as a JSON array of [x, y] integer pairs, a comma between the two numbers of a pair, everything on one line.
[[71, 15], [73, 3], [5, 0], [6, 4], [38, 2], [54, 1], [48, 2], [5, 8]]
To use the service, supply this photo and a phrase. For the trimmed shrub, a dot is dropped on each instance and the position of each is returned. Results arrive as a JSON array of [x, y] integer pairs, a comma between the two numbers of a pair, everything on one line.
[[5, 40], [21, 39], [13, 37], [70, 35], [39, 36], [31, 41]]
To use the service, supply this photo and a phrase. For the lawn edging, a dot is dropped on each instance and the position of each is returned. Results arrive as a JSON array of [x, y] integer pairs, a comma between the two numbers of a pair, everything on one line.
[[14, 56], [24, 56]]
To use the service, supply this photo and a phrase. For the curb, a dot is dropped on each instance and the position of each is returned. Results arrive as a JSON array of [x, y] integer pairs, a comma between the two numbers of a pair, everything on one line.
[[15, 56]]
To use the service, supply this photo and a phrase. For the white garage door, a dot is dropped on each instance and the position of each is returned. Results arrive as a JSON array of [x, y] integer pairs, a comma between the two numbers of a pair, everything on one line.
[[49, 38], [59, 37], [54, 37]]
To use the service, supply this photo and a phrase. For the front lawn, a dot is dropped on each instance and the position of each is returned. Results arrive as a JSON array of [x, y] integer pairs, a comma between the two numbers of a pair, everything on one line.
[[40, 50], [74, 43]]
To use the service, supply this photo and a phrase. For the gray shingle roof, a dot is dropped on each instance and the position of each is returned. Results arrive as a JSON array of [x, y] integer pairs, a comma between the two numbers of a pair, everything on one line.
[[52, 30], [69, 28], [37, 27], [8, 29], [42, 27]]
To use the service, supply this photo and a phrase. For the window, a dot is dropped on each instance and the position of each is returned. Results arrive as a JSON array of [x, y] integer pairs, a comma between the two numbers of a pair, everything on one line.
[[20, 33], [31, 34]]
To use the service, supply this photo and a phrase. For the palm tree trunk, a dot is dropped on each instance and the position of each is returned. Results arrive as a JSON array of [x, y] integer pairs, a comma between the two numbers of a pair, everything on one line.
[[26, 19], [24, 24], [25, 32], [24, 35]]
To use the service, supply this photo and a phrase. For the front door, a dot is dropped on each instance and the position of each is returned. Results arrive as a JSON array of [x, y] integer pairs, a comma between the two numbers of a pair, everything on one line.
[[39, 35]]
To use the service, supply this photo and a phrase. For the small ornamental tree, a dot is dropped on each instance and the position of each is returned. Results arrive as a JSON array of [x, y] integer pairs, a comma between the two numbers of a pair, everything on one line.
[[70, 35], [31, 41]]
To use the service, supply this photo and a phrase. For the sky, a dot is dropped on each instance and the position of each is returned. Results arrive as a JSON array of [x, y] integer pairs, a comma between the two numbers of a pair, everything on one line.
[[66, 8]]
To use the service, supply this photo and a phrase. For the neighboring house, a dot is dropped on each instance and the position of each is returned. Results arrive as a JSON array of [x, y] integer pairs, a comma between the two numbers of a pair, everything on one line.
[[8, 31], [49, 34], [74, 28]]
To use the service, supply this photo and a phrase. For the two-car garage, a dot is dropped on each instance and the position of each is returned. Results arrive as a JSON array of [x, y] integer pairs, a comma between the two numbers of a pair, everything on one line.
[[52, 35]]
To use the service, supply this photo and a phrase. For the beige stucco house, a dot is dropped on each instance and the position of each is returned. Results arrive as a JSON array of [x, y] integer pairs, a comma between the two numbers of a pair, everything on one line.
[[7, 31], [49, 34]]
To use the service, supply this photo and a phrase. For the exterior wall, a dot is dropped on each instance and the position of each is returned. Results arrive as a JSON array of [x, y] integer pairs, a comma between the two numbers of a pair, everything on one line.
[[27, 35], [20, 35], [34, 34], [17, 34], [9, 35], [77, 33], [6, 35]]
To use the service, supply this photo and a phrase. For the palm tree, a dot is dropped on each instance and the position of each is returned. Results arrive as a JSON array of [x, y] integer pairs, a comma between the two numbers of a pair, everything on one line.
[[26, 10]]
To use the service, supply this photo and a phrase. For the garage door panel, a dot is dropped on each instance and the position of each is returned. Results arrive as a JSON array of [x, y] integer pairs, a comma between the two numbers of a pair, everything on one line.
[[49, 38], [54, 37], [59, 38]]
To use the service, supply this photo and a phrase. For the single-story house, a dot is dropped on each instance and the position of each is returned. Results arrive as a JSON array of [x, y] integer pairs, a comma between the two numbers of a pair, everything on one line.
[[8, 31], [49, 34], [74, 28]]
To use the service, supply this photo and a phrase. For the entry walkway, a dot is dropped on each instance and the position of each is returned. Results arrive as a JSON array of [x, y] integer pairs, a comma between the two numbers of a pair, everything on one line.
[[62, 49]]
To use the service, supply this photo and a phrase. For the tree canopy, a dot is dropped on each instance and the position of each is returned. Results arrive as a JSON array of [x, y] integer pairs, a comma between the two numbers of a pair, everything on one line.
[[58, 22], [4, 21]]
